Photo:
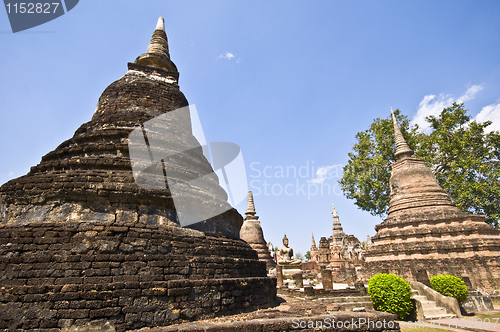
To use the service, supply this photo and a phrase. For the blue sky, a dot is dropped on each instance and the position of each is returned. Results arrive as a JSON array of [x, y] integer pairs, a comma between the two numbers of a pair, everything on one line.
[[290, 82]]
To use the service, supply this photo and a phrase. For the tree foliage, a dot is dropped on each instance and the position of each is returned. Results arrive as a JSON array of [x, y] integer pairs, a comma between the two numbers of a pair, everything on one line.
[[299, 256], [463, 157], [308, 255]]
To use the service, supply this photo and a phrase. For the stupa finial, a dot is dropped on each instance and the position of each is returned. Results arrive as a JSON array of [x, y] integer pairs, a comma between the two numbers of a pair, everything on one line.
[[338, 231], [250, 212], [161, 24], [334, 211], [402, 149], [157, 55]]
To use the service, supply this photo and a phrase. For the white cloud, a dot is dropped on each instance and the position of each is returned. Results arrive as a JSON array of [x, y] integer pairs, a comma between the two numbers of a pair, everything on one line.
[[433, 105], [226, 55], [470, 93], [324, 173], [491, 113]]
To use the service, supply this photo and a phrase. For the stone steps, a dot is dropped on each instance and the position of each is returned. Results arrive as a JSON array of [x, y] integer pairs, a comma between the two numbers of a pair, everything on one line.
[[430, 308]]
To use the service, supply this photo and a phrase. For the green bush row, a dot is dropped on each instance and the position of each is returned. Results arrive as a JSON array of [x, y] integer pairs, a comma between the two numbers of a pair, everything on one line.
[[390, 293]]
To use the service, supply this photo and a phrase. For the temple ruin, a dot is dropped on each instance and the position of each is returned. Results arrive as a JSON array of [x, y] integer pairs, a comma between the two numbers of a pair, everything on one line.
[[82, 242], [340, 253], [424, 233]]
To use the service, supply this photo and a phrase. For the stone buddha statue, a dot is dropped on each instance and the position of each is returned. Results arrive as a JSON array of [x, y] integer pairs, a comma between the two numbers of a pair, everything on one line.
[[286, 254]]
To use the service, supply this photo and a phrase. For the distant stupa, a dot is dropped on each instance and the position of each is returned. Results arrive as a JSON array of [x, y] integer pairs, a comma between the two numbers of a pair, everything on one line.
[[252, 233], [424, 233]]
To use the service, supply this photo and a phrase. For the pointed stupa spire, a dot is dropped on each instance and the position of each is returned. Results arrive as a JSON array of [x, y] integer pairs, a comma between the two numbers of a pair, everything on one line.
[[157, 55], [250, 212], [334, 211], [402, 149], [313, 244], [161, 24], [338, 231]]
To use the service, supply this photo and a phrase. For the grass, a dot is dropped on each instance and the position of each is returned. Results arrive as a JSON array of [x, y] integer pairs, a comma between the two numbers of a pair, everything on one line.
[[427, 327], [490, 316], [410, 327]]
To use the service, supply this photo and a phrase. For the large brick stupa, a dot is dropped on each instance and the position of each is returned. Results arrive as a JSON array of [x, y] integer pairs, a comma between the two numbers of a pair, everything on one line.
[[81, 242], [425, 235]]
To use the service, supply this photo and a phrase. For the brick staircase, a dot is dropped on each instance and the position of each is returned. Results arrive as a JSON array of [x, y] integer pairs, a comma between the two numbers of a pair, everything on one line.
[[430, 308]]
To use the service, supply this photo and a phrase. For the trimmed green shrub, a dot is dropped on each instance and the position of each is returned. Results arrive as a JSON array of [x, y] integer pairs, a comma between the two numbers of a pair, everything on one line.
[[450, 286], [390, 293]]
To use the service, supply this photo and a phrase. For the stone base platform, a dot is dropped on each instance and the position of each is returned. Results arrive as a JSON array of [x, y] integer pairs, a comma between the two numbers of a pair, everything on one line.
[[291, 315], [62, 275], [290, 269]]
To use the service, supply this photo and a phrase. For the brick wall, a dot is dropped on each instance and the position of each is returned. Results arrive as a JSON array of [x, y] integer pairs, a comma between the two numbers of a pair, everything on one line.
[[483, 272], [54, 275]]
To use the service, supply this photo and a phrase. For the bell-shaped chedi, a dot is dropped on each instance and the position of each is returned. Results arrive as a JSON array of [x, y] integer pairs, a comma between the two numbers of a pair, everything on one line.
[[415, 193], [81, 241], [89, 177], [251, 232], [425, 234]]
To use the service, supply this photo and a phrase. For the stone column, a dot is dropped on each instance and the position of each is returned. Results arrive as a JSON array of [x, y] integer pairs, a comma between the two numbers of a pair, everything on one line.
[[298, 280], [279, 275], [309, 291], [326, 279]]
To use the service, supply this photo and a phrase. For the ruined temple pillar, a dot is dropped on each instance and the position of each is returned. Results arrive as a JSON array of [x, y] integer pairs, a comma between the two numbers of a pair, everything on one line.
[[326, 279]]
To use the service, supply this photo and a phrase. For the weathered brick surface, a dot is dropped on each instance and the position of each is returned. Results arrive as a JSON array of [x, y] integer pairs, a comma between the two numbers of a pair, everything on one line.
[[179, 278], [310, 292], [89, 177]]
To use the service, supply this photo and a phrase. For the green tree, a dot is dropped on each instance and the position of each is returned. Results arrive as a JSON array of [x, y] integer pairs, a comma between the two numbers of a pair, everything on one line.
[[308, 255], [463, 157], [299, 256]]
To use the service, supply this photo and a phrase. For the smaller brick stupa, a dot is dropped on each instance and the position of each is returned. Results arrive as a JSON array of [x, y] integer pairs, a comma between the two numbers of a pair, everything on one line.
[[426, 235], [251, 232]]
